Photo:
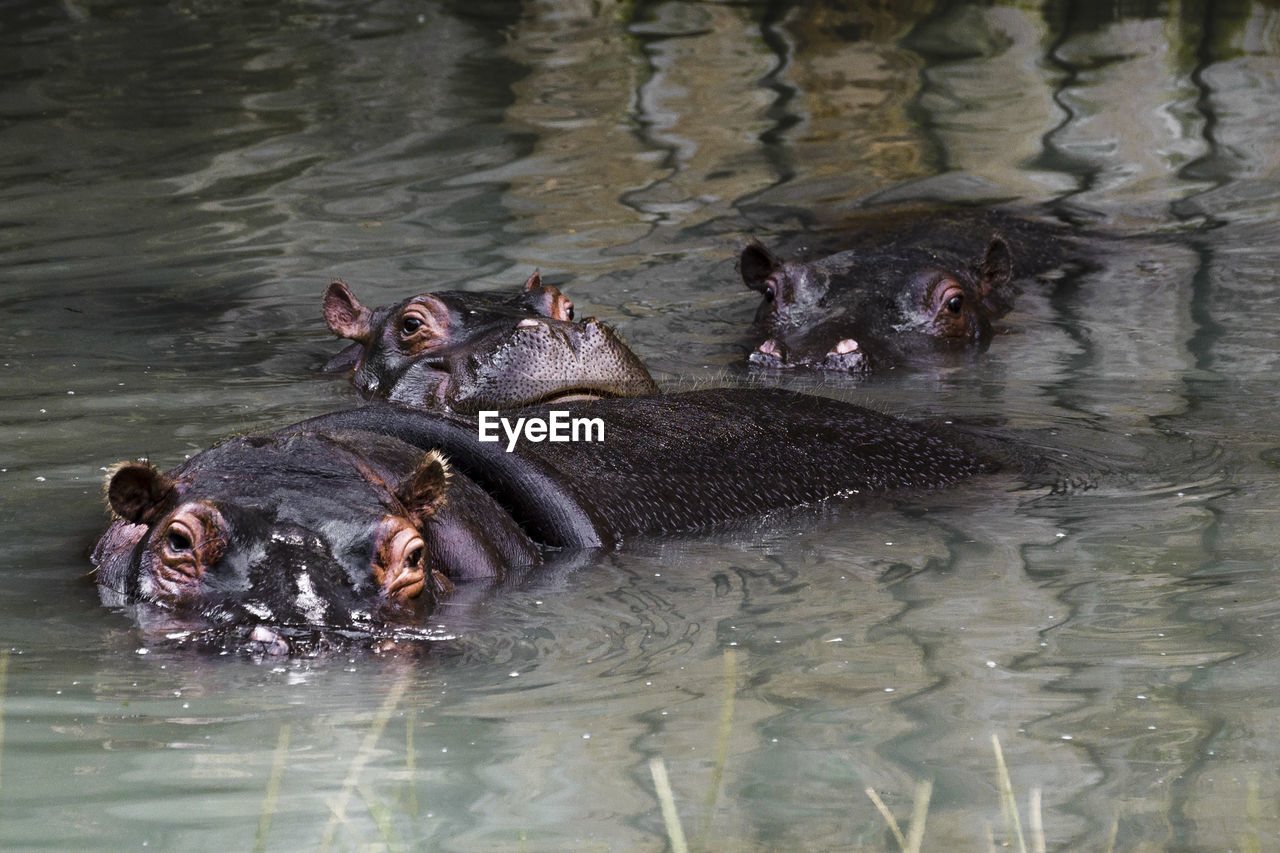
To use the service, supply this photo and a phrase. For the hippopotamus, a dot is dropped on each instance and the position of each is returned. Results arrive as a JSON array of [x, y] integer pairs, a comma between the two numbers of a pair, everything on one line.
[[913, 285], [466, 351], [858, 310], [357, 523]]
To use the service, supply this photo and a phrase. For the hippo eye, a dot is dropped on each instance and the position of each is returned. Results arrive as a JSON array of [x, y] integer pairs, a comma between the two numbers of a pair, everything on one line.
[[948, 295], [177, 541], [411, 324], [569, 311], [414, 557]]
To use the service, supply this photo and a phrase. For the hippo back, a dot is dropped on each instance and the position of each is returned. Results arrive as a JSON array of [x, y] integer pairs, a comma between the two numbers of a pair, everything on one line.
[[680, 461], [676, 462]]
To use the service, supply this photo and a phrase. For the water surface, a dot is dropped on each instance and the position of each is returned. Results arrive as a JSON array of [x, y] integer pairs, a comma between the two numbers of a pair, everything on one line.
[[180, 181]]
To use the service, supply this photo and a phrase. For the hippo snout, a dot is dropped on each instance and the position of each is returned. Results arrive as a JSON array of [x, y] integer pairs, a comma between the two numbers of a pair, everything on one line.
[[845, 354]]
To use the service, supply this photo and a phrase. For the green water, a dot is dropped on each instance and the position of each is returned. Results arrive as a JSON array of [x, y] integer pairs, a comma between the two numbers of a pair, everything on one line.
[[179, 182]]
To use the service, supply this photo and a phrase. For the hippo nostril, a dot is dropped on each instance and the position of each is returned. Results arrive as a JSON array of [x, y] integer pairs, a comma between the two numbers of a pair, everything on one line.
[[769, 354], [845, 355]]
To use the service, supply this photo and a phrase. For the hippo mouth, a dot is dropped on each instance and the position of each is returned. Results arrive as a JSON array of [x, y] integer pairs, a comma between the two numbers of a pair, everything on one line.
[[575, 395], [445, 391], [246, 628], [310, 641], [165, 629]]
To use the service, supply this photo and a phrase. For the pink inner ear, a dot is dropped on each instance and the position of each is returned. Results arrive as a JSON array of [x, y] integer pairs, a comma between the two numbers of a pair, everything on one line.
[[344, 314]]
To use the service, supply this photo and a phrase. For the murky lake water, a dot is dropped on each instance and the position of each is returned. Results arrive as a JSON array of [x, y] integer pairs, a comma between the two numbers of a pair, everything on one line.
[[178, 183]]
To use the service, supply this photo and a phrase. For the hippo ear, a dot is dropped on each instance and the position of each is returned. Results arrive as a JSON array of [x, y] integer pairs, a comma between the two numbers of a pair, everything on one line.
[[756, 265], [996, 267], [139, 493], [422, 493], [345, 315], [546, 299]]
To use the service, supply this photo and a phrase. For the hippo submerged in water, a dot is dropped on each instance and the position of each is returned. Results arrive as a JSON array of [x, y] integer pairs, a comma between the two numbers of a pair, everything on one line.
[[911, 287], [465, 351], [855, 310], [359, 521]]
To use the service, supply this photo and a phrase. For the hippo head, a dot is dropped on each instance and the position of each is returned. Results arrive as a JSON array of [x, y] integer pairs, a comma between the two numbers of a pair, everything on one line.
[[469, 351], [268, 539], [861, 310]]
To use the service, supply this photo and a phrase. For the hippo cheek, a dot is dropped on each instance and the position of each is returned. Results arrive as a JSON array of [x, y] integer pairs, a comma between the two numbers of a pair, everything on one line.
[[367, 381], [423, 386]]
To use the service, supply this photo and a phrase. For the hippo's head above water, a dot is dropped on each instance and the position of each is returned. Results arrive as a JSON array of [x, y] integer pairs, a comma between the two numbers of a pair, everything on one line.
[[469, 351], [281, 534], [871, 308]]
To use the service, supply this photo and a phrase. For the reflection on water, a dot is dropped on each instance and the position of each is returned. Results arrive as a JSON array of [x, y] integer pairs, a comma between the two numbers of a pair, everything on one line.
[[174, 209]]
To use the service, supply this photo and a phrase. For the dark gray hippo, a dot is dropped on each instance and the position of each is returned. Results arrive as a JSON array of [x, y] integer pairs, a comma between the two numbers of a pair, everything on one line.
[[358, 522], [905, 289], [463, 351]]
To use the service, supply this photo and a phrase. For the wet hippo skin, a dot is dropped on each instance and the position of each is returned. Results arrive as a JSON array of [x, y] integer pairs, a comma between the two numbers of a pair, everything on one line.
[[675, 462], [906, 287], [465, 351], [360, 520]]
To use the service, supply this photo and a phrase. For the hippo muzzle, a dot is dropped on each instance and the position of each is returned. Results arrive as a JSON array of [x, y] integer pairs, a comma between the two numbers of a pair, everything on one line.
[[464, 352]]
